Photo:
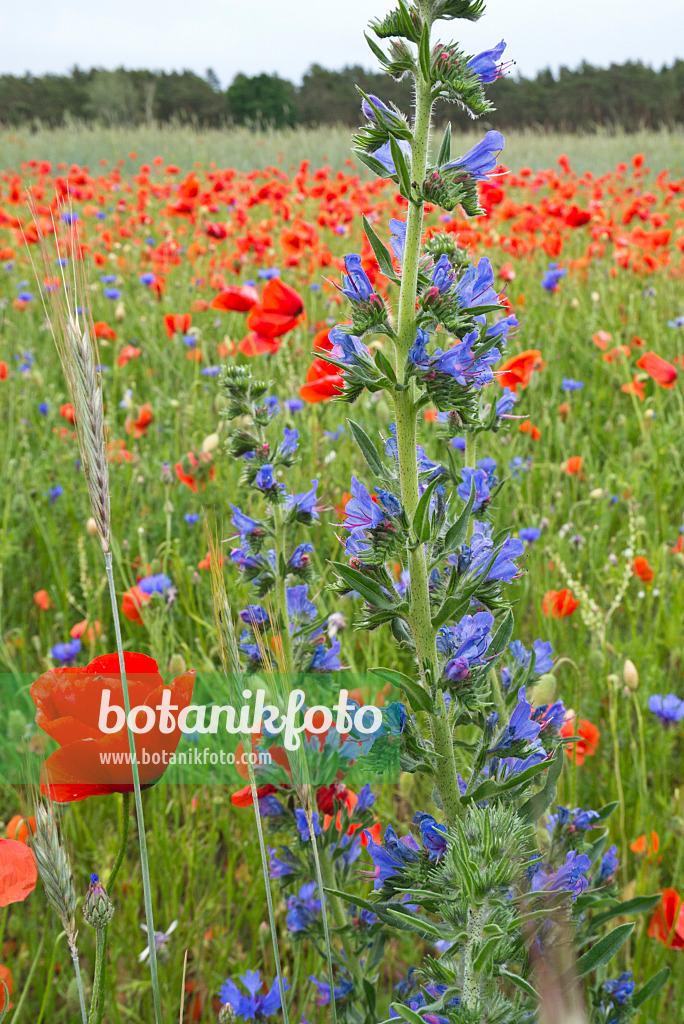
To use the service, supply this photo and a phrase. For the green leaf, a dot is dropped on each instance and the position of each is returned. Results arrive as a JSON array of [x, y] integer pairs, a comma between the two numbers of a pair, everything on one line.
[[374, 165], [350, 898], [490, 787], [445, 148], [403, 173], [421, 519], [424, 53], [519, 982], [368, 449], [451, 609], [405, 1013], [534, 807], [419, 696], [382, 253], [369, 589], [458, 531], [637, 905], [384, 365], [605, 812], [502, 635], [419, 924], [651, 987], [381, 56], [603, 950], [370, 992]]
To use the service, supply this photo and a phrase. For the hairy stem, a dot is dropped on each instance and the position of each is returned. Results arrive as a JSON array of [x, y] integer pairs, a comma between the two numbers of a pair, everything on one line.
[[281, 591], [142, 839], [97, 998], [471, 988]]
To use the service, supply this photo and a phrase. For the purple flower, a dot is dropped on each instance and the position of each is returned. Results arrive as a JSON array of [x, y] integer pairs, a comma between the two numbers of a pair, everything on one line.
[[66, 653], [390, 856], [365, 800], [568, 384], [609, 865], [543, 654], [521, 727], [476, 287], [54, 493], [506, 403], [111, 293], [303, 824], [304, 503], [568, 878], [669, 709], [356, 285], [485, 64], [300, 556], [368, 110], [362, 512], [298, 604], [244, 524], [465, 643], [256, 1005], [434, 835], [482, 158], [303, 909], [529, 534], [552, 277], [156, 584], [270, 806], [264, 478], [347, 348], [478, 477], [254, 615], [148, 278], [325, 660], [384, 155], [620, 989], [278, 867], [341, 990], [442, 275]]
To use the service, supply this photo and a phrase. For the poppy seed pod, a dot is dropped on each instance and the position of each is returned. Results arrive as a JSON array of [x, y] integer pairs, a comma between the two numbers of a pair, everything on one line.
[[630, 675]]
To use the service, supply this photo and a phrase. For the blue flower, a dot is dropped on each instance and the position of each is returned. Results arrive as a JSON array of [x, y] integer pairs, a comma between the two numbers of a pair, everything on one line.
[[66, 653], [384, 155], [620, 989], [506, 403], [25, 296], [156, 584], [485, 64], [398, 239], [303, 824], [476, 287], [303, 909], [478, 478], [290, 442], [69, 217], [442, 275], [340, 991], [568, 384], [298, 604], [279, 867], [210, 371], [264, 479], [568, 878], [294, 404], [254, 615], [256, 1005], [521, 728], [482, 158], [54, 493], [609, 865], [270, 806], [325, 660], [111, 293], [304, 503], [361, 511], [43, 408], [669, 709], [148, 278], [356, 285], [191, 518], [300, 556], [434, 835], [368, 110], [552, 277], [267, 273], [418, 353], [244, 523], [108, 278], [347, 348], [529, 534], [389, 858], [481, 549], [465, 643], [365, 800]]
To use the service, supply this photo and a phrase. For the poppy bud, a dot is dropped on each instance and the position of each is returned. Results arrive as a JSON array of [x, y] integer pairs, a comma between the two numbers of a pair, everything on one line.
[[177, 665], [91, 528], [210, 442], [630, 675], [544, 690], [597, 659], [596, 493], [120, 312], [98, 909]]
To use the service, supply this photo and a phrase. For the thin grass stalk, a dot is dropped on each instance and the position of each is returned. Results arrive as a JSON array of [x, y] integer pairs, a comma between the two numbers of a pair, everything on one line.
[[71, 325], [230, 659]]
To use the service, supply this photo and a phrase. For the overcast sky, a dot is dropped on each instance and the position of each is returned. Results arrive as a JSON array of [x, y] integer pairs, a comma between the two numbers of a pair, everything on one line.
[[286, 36]]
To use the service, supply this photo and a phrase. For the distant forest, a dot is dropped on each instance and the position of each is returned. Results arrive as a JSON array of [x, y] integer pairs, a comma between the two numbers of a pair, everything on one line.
[[630, 95]]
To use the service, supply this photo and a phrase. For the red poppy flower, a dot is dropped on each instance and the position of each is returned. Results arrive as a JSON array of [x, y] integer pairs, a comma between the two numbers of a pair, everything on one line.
[[584, 747], [68, 703], [529, 428], [277, 312], [66, 411], [177, 323], [241, 300], [642, 569], [133, 600], [573, 466], [517, 371], [243, 797], [659, 370], [195, 470], [42, 599], [18, 874], [323, 382], [668, 920], [558, 604], [259, 345], [103, 330], [636, 387], [4, 371], [84, 629], [127, 353], [643, 847], [20, 828], [139, 427], [5, 979]]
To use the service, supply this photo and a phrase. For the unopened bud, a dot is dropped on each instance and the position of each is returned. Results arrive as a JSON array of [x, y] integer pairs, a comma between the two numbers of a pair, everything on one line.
[[177, 665], [630, 675], [98, 909], [210, 442], [166, 474], [596, 493], [91, 528], [544, 690], [226, 1015], [16, 726], [120, 312]]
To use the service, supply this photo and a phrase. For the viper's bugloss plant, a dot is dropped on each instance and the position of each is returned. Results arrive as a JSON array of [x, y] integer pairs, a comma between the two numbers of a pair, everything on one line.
[[496, 883]]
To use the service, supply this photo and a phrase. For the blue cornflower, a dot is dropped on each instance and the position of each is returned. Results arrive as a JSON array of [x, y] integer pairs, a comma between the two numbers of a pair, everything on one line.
[[25, 360], [256, 1005], [485, 64], [341, 990], [356, 284], [362, 512], [25, 296], [568, 384], [294, 404], [398, 239], [148, 278], [552, 277], [268, 273], [156, 584], [506, 403], [191, 518], [254, 615], [108, 278], [303, 824], [529, 534], [521, 727], [620, 989], [43, 408], [66, 653], [54, 493], [669, 709], [111, 293], [303, 909], [190, 340], [609, 864], [69, 217], [210, 371], [384, 155], [677, 322], [481, 159]]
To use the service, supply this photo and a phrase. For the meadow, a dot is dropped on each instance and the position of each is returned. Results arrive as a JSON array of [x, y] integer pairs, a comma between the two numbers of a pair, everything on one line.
[[595, 489]]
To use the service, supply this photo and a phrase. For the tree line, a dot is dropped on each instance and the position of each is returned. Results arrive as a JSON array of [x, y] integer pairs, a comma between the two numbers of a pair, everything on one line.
[[630, 95]]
